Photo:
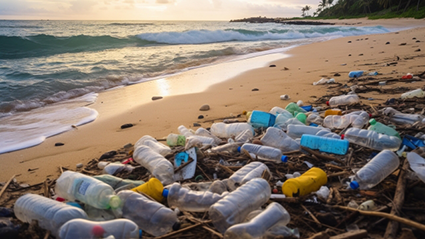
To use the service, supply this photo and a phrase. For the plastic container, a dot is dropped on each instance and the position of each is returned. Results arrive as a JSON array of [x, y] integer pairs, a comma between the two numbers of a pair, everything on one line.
[[264, 152], [257, 227], [417, 164], [314, 118], [382, 128], [260, 119], [343, 100], [76, 186], [292, 107], [200, 141], [301, 117], [401, 118], [153, 188], [324, 144], [276, 138], [218, 186], [226, 148], [333, 112], [234, 207], [116, 182], [185, 131], [223, 130], [176, 140], [152, 143], [117, 167], [50, 214], [244, 136], [376, 170], [414, 93], [151, 216], [308, 182], [203, 132], [321, 82], [355, 74], [96, 214], [280, 111], [245, 174], [341, 122], [283, 123], [157, 165], [81, 228], [372, 139], [296, 131], [188, 200], [328, 134]]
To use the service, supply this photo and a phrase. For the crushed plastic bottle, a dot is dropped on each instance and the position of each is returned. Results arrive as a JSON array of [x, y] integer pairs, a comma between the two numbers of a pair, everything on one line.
[[234, 207], [117, 167], [325, 144], [419, 93], [343, 100], [308, 182], [116, 182], [76, 186], [258, 226], [81, 228], [189, 200], [264, 152], [341, 122], [175, 140], [276, 138], [314, 118], [152, 188], [401, 118], [372, 139], [96, 214], [382, 128], [296, 131], [157, 165], [228, 148], [376, 170], [245, 174], [185, 131], [292, 107], [244, 136], [203, 132], [198, 141], [153, 144], [261, 119], [151, 216], [223, 130], [280, 111], [417, 164], [50, 214]]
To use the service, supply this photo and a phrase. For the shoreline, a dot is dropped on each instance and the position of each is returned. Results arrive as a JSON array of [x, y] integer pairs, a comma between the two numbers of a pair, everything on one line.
[[307, 64]]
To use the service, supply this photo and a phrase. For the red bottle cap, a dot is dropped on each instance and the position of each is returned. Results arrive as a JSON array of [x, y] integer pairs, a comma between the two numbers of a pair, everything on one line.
[[327, 103], [342, 136], [370, 115], [98, 231], [59, 199], [275, 190]]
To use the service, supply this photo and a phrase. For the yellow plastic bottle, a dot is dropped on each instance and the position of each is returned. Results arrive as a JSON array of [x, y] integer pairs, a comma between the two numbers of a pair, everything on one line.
[[153, 188], [333, 112], [308, 182]]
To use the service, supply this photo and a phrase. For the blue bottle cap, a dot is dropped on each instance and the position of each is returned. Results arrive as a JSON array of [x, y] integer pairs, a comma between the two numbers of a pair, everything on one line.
[[74, 204], [307, 107], [165, 192], [354, 185], [239, 149], [313, 124], [284, 158], [140, 233]]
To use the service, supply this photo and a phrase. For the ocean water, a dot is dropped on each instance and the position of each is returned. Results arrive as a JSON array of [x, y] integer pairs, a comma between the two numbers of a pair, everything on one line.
[[50, 71]]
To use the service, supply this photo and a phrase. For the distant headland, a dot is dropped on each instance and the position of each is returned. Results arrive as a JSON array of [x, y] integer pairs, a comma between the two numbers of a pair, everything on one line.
[[280, 20]]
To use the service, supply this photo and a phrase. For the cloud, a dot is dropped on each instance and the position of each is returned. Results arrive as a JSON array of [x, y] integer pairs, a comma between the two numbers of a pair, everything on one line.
[[165, 1]]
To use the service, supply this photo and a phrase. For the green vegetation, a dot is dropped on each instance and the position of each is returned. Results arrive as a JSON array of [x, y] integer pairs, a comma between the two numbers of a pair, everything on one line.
[[373, 9]]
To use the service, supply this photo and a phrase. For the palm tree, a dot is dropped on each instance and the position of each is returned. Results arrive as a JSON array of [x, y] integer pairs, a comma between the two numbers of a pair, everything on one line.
[[307, 8], [384, 3], [303, 12], [330, 2]]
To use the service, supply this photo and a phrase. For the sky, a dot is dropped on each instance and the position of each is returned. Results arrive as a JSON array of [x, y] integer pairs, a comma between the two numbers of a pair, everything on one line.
[[150, 9]]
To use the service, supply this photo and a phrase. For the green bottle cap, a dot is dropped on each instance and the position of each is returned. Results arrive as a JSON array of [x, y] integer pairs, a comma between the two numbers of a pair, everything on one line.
[[114, 202], [372, 121]]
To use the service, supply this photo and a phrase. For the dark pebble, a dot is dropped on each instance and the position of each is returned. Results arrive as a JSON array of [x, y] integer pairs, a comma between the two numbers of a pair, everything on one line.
[[349, 41], [196, 125], [402, 44], [156, 97], [387, 43], [349, 54], [272, 66], [107, 155], [200, 117], [360, 54], [418, 50], [414, 38], [337, 74], [418, 41], [255, 89], [124, 126], [59, 144]]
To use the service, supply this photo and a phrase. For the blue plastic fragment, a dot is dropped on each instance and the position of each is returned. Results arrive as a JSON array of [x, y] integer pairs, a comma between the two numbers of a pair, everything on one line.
[[182, 156]]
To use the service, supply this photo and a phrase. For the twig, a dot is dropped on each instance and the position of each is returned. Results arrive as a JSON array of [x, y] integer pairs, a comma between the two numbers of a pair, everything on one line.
[[183, 165], [47, 235], [312, 216], [212, 231], [228, 170], [204, 173], [181, 230], [60, 169], [46, 189], [6, 185]]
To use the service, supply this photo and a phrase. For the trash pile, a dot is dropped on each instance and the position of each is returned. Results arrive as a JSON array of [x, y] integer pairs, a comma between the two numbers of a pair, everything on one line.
[[337, 170]]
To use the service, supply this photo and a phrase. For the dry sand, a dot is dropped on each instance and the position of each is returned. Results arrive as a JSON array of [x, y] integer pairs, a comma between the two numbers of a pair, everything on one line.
[[185, 93]]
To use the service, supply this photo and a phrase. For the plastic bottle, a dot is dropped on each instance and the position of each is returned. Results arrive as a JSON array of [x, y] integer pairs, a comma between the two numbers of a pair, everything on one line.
[[117, 167], [227, 148], [234, 207], [283, 124], [151, 216], [244, 136], [218, 186], [223, 130], [414, 93], [324, 144], [176, 140], [355, 74], [341, 122], [401, 118], [308, 182], [260, 119], [417, 164], [198, 141], [188, 200], [343, 100], [76, 186], [203, 132], [372, 139], [50, 214], [382, 128], [245, 174], [314, 118], [301, 117], [116, 182], [264, 152], [157, 165], [320, 82], [282, 118], [333, 112], [292, 107], [328, 134], [376, 170], [96, 214], [185, 131], [257, 227], [153, 188], [152, 143], [81, 228], [280, 111], [296, 131], [276, 138]]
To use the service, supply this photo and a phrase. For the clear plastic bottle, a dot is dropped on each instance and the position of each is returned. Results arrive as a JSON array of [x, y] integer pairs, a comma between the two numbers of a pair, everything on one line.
[[261, 119], [117, 167], [223, 130], [81, 228], [96, 214], [283, 122], [234, 207], [292, 107], [417, 163], [185, 131], [279, 111], [151, 216], [245, 174], [218, 187], [153, 144], [196, 140], [276, 138], [296, 131], [203, 132], [372, 139], [116, 182], [228, 148], [324, 144], [157, 165], [50, 214], [341, 122], [189, 200], [244, 136], [376, 170], [401, 118], [264, 152], [257, 227], [314, 118], [176, 140], [76, 186], [382, 128], [414, 93], [328, 134], [343, 100]]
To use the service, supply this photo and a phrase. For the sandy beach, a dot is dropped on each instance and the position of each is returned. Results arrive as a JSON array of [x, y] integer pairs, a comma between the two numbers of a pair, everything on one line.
[[185, 93]]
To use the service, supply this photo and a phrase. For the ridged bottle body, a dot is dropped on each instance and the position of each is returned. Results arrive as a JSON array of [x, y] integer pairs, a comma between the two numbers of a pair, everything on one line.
[[80, 228], [157, 165], [264, 152], [189, 200], [203, 132], [377, 169], [343, 100], [315, 119], [223, 130], [226, 148], [343, 121], [401, 118], [234, 207], [50, 214], [372, 139], [116, 182], [296, 131], [382, 129], [414, 93], [153, 144], [185, 131], [150, 216], [276, 138], [245, 174]]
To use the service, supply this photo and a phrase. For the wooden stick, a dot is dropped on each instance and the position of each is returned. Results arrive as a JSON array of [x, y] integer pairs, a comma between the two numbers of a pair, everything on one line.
[[204, 173], [47, 235], [46, 189], [60, 169], [358, 234], [6, 185], [228, 170], [212, 231], [183, 165], [386, 215], [178, 231], [398, 201], [312, 216]]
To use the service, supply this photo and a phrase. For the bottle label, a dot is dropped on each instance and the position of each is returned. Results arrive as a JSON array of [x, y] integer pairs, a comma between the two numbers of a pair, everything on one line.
[[181, 140], [82, 187]]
